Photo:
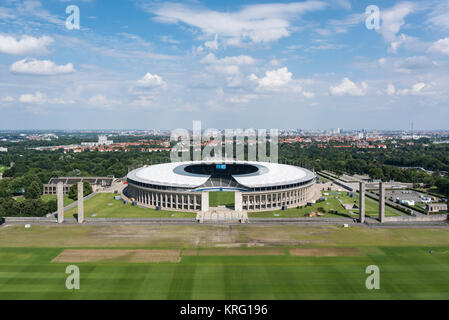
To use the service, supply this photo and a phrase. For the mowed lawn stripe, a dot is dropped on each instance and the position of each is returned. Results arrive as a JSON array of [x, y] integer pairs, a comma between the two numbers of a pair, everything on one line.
[[406, 273]]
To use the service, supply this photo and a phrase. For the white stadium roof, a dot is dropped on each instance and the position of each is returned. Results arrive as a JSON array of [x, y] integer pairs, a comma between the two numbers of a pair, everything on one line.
[[173, 174]]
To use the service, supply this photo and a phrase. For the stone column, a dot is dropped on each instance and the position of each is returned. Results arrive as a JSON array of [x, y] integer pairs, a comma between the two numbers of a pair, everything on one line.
[[362, 202], [80, 202], [60, 197], [204, 201], [238, 201], [381, 202]]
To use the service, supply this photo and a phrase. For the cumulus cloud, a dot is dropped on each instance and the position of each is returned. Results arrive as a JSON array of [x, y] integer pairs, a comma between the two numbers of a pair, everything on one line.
[[259, 23], [151, 81], [38, 98], [280, 80], [40, 67], [440, 46], [273, 79], [41, 98], [416, 90], [25, 45], [347, 87]]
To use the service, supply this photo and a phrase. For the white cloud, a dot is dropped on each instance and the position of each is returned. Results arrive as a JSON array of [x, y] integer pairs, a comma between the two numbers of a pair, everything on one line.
[[343, 25], [151, 81], [440, 16], [26, 45], [101, 101], [440, 46], [393, 20], [38, 98], [391, 90], [415, 90], [41, 98], [227, 65], [347, 87], [212, 45], [308, 95], [259, 23], [241, 99], [40, 67], [144, 102], [273, 79], [418, 89]]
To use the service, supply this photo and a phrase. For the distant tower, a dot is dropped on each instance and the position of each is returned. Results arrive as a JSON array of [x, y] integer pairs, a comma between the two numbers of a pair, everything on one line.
[[413, 136]]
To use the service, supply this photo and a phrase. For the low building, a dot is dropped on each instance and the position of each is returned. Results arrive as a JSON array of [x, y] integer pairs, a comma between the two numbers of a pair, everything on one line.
[[435, 207], [97, 183], [3, 149]]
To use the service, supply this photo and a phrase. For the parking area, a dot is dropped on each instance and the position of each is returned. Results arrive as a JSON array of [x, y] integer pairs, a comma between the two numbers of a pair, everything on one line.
[[410, 195]]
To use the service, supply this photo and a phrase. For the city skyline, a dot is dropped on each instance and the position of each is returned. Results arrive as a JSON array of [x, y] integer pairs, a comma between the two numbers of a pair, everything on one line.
[[303, 64]]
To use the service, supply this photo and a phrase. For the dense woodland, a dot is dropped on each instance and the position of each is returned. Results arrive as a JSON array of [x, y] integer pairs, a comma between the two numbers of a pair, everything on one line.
[[32, 168]]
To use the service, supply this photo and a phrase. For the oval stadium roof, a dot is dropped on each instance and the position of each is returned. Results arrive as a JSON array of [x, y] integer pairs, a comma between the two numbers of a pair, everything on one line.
[[173, 174]]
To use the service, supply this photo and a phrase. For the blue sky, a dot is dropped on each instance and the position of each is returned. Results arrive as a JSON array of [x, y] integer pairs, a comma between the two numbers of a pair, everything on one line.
[[231, 64]]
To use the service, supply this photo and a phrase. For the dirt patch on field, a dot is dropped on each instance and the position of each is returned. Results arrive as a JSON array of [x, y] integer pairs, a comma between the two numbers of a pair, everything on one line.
[[233, 252], [106, 255], [325, 252]]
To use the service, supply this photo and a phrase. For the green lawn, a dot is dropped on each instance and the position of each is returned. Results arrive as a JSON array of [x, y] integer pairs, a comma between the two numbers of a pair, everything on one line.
[[407, 268], [103, 205], [221, 198], [332, 203], [48, 197]]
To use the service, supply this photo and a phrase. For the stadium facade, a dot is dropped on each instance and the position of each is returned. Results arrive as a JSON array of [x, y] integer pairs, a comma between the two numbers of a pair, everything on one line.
[[185, 186]]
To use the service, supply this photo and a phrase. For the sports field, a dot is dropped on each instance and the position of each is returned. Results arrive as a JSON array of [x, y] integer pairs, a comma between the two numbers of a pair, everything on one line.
[[221, 198], [223, 262]]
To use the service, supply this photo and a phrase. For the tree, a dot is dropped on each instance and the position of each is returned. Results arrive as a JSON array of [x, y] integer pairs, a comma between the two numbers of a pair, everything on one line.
[[87, 188], [33, 191], [73, 191]]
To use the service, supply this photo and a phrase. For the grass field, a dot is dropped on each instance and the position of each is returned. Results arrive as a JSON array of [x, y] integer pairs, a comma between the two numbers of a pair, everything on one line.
[[280, 267], [3, 169], [103, 205], [223, 198], [332, 203], [48, 197]]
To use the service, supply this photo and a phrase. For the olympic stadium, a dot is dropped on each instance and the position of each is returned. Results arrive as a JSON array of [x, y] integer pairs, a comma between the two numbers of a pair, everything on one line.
[[185, 186]]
